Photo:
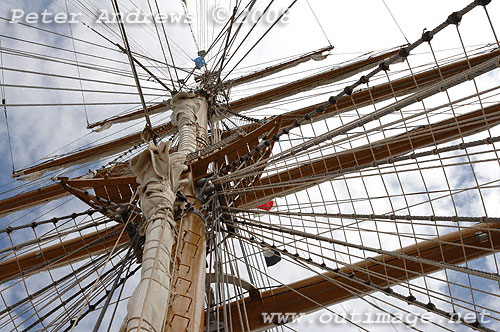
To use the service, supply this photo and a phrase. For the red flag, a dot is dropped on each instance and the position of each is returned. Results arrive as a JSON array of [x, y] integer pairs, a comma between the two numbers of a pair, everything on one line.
[[266, 206]]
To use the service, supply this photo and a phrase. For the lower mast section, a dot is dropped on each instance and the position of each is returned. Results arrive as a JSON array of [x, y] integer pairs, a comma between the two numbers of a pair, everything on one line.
[[186, 309], [167, 300], [158, 174]]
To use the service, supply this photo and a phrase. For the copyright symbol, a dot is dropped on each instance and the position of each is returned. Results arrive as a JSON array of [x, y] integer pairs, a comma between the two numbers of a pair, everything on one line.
[[219, 15]]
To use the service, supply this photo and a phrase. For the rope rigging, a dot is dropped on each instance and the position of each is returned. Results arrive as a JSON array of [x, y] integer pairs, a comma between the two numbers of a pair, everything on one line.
[[4, 103], [319, 23], [395, 21], [149, 126], [378, 199]]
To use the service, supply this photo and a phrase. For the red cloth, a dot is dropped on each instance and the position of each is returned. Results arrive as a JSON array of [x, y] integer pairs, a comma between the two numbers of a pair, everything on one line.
[[266, 206]]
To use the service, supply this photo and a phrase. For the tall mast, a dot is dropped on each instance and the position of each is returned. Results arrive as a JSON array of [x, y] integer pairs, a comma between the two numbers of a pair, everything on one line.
[[185, 312], [167, 240]]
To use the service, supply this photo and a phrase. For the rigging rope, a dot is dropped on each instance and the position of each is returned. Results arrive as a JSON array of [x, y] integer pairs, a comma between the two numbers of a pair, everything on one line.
[[319, 23], [186, 12], [395, 21], [149, 126], [161, 44], [4, 103], [77, 66], [168, 47], [248, 34], [383, 66]]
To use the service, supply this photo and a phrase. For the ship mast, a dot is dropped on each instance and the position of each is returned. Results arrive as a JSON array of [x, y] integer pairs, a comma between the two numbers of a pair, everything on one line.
[[160, 298], [171, 292], [185, 312]]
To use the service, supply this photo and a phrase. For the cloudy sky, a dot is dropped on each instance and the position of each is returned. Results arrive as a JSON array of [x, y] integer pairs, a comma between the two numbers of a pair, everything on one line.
[[47, 122]]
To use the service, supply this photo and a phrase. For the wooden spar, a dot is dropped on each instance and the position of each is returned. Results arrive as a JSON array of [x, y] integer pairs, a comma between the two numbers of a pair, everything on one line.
[[382, 92], [32, 198], [55, 191], [277, 68], [316, 292], [386, 91], [132, 116], [307, 84], [94, 153], [435, 133], [281, 92], [35, 260]]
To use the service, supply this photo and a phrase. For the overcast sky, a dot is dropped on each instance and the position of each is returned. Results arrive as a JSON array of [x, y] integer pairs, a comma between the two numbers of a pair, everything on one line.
[[353, 28]]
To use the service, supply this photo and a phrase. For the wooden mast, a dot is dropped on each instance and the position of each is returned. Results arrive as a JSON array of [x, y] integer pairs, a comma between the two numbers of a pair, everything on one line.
[[185, 311]]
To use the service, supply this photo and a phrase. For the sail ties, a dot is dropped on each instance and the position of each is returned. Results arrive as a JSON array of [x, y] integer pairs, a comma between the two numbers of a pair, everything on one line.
[[187, 115], [158, 174]]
